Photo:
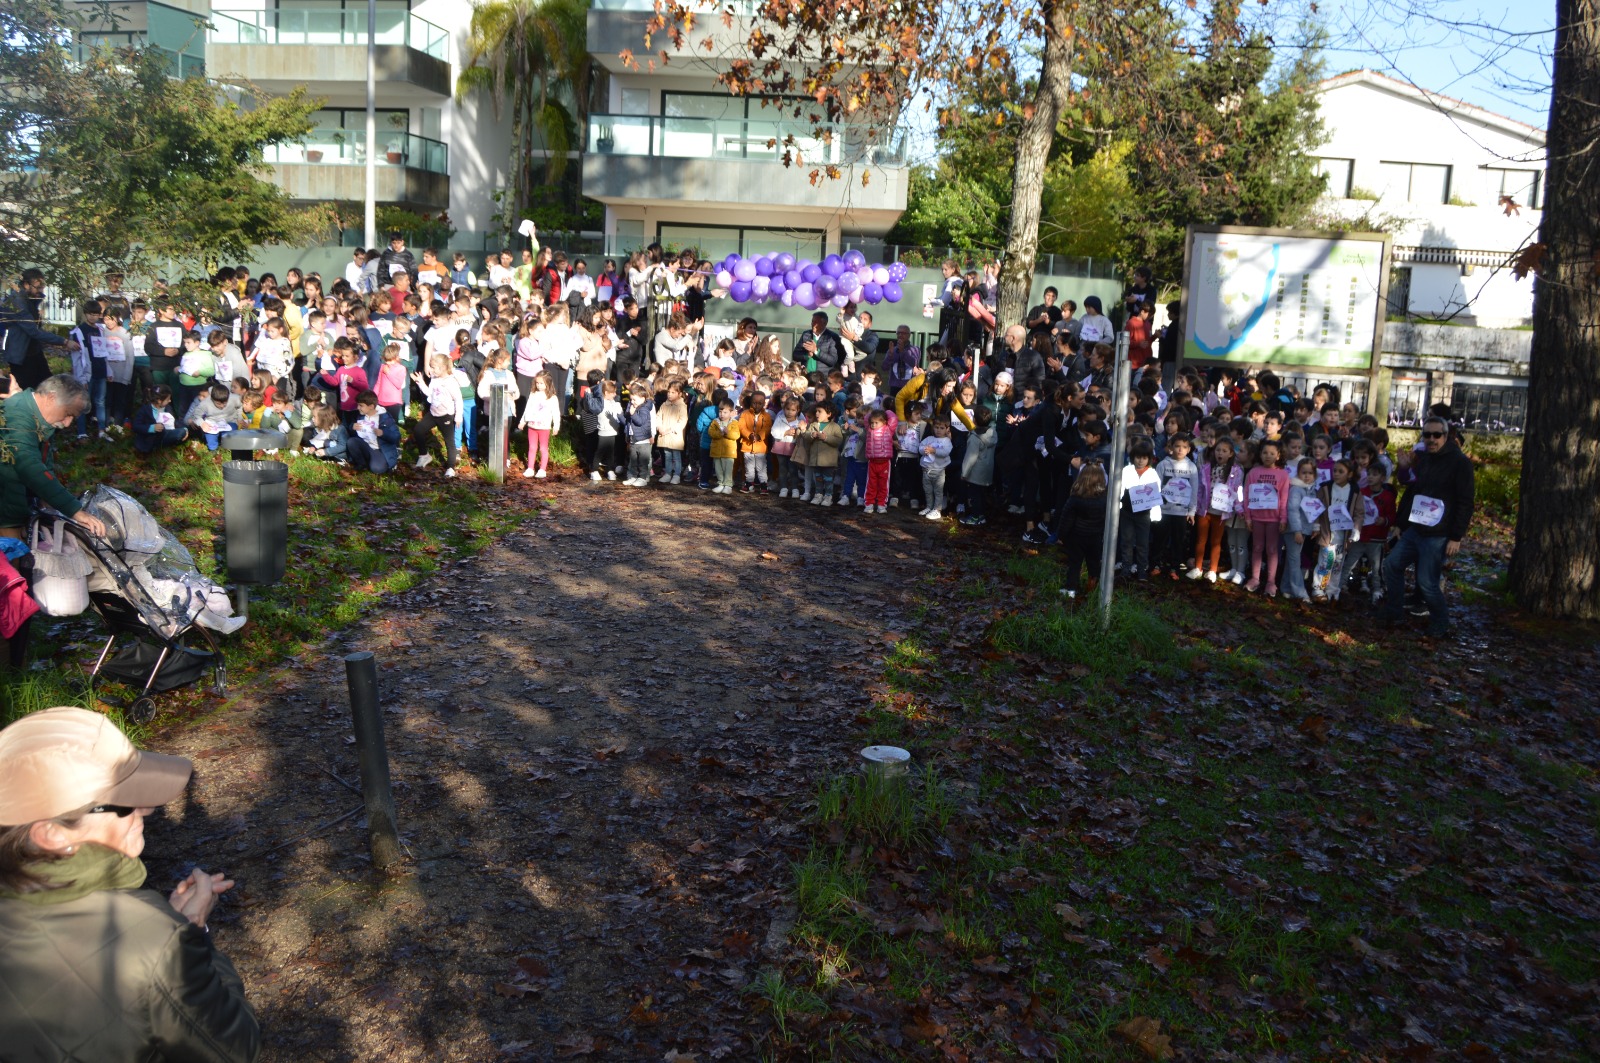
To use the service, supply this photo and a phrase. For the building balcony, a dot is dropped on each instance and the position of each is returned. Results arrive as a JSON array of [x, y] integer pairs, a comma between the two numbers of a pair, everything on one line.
[[330, 164], [616, 26], [325, 49]]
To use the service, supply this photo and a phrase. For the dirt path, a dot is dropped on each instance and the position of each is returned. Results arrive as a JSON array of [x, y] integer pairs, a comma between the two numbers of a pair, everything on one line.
[[603, 735]]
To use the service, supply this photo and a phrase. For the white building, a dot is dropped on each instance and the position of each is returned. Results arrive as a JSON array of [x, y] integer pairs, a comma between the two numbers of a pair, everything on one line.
[[675, 158], [1442, 170], [434, 154]]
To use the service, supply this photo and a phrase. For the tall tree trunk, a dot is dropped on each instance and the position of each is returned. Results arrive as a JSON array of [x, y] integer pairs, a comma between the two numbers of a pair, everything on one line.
[[1555, 568], [1027, 173]]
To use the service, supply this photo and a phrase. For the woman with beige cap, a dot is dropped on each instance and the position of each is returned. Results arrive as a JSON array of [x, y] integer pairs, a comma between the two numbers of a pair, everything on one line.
[[92, 965]]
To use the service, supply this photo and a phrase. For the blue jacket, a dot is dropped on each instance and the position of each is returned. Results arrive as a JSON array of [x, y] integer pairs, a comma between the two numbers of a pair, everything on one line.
[[19, 320], [388, 437], [703, 425], [637, 423], [338, 442]]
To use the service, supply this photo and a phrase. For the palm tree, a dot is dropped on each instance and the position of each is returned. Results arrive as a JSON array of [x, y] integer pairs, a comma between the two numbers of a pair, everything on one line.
[[533, 56]]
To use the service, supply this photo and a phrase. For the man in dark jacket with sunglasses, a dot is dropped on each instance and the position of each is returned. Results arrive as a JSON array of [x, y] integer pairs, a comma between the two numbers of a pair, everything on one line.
[[1430, 523]]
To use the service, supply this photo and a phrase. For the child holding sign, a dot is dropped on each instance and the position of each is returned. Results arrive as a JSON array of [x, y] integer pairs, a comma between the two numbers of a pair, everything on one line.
[[1180, 499], [1141, 507], [1305, 511], [1340, 526], [1266, 495], [1220, 480]]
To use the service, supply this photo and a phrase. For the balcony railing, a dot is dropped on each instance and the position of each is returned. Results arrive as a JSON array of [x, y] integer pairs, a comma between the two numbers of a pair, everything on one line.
[[742, 139], [327, 25], [741, 8], [348, 147]]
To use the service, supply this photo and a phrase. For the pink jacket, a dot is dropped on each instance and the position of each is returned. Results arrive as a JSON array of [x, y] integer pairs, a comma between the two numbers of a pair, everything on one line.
[[391, 389], [880, 441], [1278, 478]]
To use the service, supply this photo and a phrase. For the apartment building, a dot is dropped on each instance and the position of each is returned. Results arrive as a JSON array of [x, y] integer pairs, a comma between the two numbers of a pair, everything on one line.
[[1441, 171], [675, 158], [434, 154]]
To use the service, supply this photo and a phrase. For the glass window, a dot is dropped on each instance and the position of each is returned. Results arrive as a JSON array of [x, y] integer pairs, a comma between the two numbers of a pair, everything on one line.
[[1522, 186], [715, 241], [1337, 171], [1415, 182]]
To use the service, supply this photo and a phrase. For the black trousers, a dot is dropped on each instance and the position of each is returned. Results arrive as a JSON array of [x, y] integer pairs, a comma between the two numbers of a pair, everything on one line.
[[1081, 548]]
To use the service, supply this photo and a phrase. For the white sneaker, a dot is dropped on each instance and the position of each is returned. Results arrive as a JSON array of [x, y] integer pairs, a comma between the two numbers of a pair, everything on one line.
[[595, 475], [527, 474], [892, 502], [611, 474], [677, 479], [816, 500], [934, 514], [924, 511], [1195, 573], [539, 475], [883, 509], [1211, 577], [424, 461], [1237, 579], [664, 479], [863, 502], [805, 498], [827, 500], [783, 493], [1016, 510], [449, 474]]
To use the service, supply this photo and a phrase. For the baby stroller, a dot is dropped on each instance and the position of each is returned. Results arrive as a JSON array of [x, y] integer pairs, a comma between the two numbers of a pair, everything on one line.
[[158, 609]]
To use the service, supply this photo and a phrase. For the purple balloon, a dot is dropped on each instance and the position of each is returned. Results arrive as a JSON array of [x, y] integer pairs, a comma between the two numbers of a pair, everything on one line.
[[745, 270], [763, 267], [841, 301], [832, 265], [872, 292], [825, 287], [792, 278], [777, 285], [880, 276], [847, 283], [898, 272], [810, 272], [787, 298], [806, 294], [891, 292], [760, 287], [724, 278], [785, 261], [739, 291], [854, 259]]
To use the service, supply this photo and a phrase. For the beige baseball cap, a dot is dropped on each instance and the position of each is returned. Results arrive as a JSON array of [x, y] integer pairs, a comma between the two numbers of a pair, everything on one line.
[[64, 760]]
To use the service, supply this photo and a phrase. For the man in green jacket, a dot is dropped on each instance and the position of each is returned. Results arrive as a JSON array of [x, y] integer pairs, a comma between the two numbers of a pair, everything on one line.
[[27, 463]]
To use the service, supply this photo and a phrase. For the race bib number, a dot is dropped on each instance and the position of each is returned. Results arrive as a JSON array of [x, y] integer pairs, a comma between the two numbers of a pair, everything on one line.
[[1144, 497], [98, 347], [170, 336], [1312, 508], [1263, 496], [1369, 513], [1426, 511], [1323, 476], [1086, 382], [115, 351], [1178, 491], [1222, 498], [395, 269], [1339, 518]]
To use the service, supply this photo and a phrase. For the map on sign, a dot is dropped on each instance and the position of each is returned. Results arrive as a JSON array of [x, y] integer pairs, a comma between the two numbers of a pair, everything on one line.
[[1290, 300]]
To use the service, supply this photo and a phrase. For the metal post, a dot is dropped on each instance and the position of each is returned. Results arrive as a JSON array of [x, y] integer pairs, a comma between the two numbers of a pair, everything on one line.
[[1121, 375], [496, 469], [371, 215], [361, 673]]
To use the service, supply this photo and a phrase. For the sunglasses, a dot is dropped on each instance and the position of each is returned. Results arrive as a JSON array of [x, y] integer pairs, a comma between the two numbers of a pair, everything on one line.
[[122, 811], [1433, 435]]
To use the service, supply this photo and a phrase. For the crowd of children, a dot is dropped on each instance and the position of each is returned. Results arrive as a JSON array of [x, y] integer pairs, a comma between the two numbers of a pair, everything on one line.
[[1224, 476]]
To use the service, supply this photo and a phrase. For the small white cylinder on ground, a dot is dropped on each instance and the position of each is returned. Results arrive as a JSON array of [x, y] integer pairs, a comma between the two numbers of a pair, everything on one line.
[[886, 762]]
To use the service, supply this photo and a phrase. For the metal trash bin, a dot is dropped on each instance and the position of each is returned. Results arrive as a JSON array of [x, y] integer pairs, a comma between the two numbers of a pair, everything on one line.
[[255, 519]]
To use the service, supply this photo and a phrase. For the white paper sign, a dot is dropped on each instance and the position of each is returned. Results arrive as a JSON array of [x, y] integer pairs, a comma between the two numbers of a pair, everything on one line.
[[930, 300], [1339, 518], [1369, 512], [1222, 498], [1312, 507], [97, 347], [1323, 476], [115, 351], [1263, 496], [396, 268], [1178, 491], [526, 228], [170, 336], [1426, 511], [1144, 497]]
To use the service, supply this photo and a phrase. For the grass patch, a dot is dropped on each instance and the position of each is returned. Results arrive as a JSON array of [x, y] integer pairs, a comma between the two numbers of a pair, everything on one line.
[[1076, 636], [896, 810], [353, 539]]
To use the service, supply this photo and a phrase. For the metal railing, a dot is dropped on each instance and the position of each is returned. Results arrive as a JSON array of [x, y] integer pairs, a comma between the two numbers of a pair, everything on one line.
[[751, 139], [348, 147], [740, 8], [179, 65], [327, 25], [1490, 408]]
